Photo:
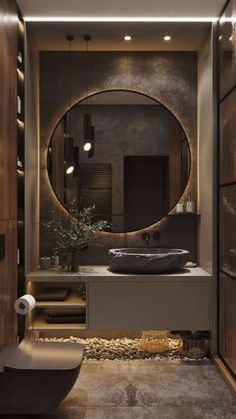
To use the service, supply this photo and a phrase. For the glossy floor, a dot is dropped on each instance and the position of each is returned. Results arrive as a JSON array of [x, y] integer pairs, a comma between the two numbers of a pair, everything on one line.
[[147, 390]]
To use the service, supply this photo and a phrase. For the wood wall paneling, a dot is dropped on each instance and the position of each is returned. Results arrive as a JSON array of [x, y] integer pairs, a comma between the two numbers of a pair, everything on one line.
[[8, 174], [8, 283], [31, 153], [8, 85]]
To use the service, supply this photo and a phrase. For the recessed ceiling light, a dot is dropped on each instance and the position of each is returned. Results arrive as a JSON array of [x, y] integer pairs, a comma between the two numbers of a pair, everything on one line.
[[128, 37], [167, 38]]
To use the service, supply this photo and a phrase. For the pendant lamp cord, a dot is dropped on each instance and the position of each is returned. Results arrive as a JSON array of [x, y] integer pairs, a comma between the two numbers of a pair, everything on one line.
[[69, 38], [87, 39]]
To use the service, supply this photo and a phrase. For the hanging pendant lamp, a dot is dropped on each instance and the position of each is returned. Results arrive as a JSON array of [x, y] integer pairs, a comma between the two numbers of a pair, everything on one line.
[[68, 138], [88, 128]]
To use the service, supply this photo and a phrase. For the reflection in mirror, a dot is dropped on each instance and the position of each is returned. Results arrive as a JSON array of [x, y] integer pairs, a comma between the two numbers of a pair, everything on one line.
[[137, 167]]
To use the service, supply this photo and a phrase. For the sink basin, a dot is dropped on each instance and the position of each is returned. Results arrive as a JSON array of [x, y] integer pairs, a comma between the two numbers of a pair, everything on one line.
[[144, 260]]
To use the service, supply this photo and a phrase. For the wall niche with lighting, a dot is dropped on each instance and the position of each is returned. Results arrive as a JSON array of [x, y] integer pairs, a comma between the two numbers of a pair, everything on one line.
[[20, 151]]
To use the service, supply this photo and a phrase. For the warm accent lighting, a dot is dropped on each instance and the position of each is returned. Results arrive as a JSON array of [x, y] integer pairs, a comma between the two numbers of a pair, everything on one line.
[[117, 19], [20, 123], [69, 170], [21, 25], [20, 167], [87, 146], [167, 38], [231, 38], [20, 73], [128, 38]]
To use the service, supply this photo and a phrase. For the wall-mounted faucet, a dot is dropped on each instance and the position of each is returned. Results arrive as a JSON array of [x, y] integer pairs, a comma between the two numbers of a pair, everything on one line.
[[156, 235], [146, 237]]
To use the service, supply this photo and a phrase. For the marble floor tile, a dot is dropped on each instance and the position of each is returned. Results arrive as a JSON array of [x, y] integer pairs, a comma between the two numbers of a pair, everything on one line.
[[95, 413], [101, 384], [155, 381], [186, 410], [146, 390]]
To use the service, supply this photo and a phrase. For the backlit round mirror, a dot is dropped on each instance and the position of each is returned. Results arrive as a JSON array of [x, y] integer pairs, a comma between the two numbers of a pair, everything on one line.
[[123, 152]]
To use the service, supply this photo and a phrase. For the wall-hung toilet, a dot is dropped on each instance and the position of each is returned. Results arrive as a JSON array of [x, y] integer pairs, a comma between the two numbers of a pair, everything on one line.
[[36, 376]]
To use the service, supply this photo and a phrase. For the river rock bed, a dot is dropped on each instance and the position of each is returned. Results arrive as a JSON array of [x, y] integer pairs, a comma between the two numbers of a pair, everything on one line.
[[124, 349]]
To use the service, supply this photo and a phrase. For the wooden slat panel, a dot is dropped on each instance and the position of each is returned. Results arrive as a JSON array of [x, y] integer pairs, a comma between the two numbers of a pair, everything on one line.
[[8, 86], [8, 173], [8, 283], [101, 198], [96, 175]]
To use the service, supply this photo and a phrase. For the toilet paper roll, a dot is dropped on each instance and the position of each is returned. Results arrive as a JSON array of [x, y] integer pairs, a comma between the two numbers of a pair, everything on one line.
[[25, 304]]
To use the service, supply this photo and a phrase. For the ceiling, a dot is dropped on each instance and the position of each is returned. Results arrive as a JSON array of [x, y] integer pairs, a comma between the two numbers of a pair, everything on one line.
[[121, 8], [109, 36]]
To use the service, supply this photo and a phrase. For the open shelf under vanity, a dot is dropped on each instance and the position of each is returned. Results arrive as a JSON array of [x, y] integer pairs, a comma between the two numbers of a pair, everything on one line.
[[130, 302], [39, 324], [73, 301]]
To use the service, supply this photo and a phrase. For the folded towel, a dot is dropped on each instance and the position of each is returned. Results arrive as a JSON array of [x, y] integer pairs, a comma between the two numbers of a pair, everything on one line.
[[64, 312], [53, 294], [67, 319]]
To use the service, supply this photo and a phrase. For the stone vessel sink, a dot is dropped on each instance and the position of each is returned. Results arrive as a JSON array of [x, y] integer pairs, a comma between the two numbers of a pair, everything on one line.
[[147, 260]]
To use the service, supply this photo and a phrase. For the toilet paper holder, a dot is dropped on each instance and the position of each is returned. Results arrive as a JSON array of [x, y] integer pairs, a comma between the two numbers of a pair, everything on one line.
[[23, 306]]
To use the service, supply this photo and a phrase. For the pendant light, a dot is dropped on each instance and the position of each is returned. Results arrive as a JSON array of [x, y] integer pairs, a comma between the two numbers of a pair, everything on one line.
[[91, 150], [68, 139], [88, 128]]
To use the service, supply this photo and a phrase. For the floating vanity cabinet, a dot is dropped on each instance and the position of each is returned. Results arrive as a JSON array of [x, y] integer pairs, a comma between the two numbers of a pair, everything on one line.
[[118, 302], [142, 302]]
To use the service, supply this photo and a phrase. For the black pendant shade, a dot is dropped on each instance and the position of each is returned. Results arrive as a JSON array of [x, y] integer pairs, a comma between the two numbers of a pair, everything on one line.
[[87, 128], [69, 155], [89, 137], [76, 161], [91, 151]]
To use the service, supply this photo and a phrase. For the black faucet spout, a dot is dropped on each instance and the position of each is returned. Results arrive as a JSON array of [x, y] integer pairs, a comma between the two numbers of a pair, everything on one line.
[[146, 237]]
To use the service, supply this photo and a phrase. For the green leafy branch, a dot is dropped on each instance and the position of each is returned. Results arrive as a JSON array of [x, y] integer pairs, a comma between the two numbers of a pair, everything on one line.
[[77, 232]]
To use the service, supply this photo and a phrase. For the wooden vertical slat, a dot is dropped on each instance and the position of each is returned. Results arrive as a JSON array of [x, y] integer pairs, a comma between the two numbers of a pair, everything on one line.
[[8, 174]]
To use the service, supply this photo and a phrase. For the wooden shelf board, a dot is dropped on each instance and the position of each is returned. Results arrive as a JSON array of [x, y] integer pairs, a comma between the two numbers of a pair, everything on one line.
[[72, 301], [41, 324]]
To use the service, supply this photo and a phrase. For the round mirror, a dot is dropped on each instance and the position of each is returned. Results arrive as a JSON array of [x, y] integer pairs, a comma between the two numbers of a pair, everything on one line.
[[122, 152]]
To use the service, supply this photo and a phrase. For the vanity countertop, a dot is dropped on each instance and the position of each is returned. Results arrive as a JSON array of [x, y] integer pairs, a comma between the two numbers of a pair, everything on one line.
[[102, 272]]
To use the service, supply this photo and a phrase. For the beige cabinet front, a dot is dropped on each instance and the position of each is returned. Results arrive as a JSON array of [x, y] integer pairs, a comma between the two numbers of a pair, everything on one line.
[[147, 304]]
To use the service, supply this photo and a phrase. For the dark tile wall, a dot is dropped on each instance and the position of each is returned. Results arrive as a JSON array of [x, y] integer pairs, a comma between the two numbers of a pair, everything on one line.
[[169, 77]]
